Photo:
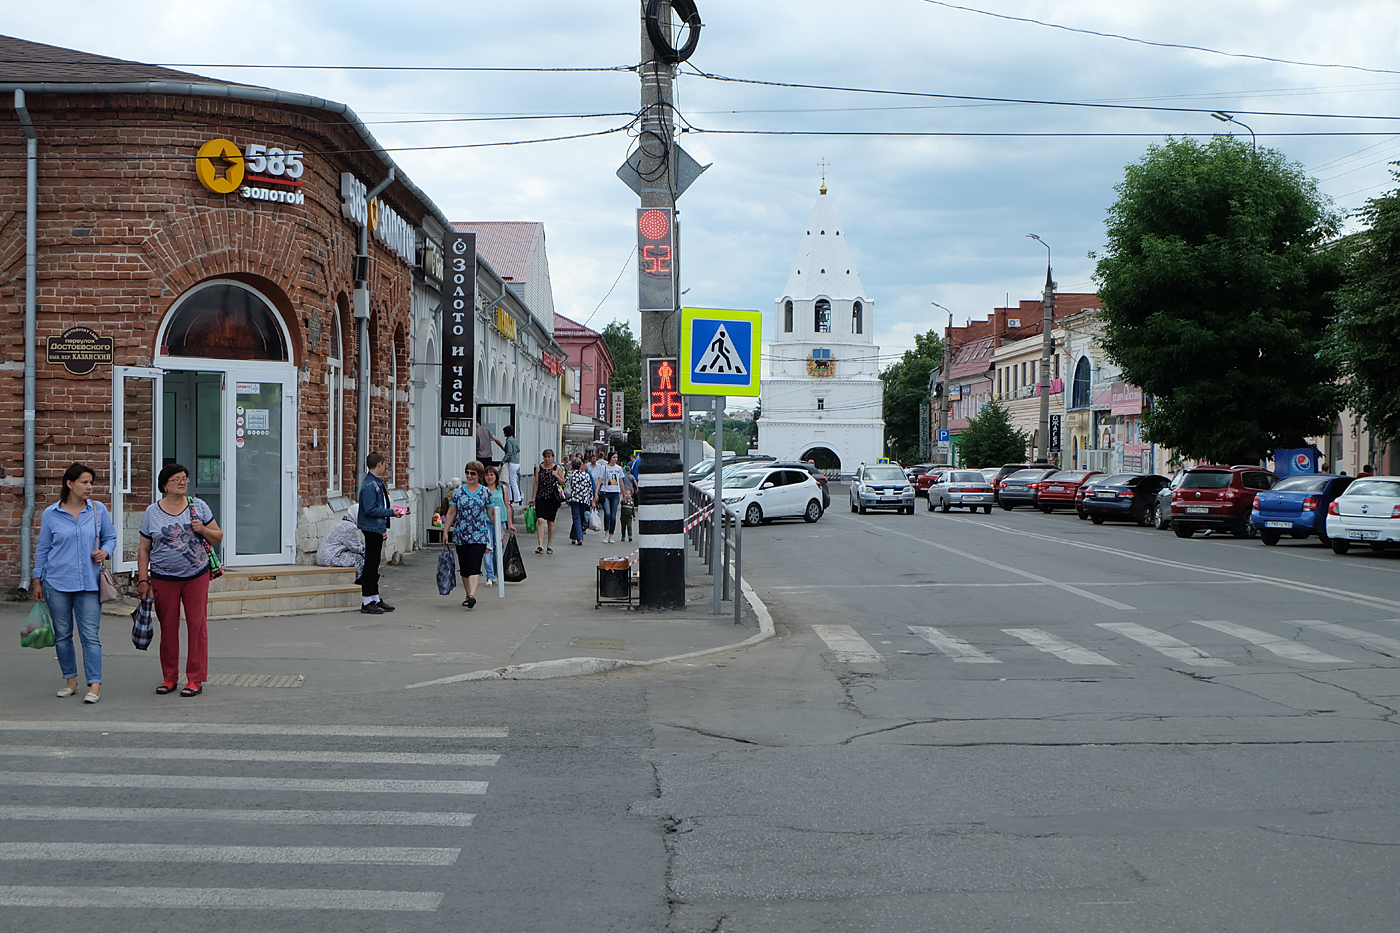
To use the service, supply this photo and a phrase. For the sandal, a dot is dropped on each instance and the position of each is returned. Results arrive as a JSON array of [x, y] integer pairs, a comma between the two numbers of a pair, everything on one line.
[[549, 550], [466, 601], [539, 550], [192, 690], [167, 687]]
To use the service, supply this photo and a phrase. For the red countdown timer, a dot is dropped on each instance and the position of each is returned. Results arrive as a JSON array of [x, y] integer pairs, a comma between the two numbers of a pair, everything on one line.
[[655, 251], [663, 391]]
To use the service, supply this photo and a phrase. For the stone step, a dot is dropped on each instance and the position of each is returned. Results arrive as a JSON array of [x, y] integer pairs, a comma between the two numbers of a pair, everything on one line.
[[326, 598], [288, 576]]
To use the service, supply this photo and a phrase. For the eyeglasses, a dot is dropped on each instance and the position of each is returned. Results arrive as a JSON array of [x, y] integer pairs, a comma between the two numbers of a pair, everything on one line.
[[471, 472]]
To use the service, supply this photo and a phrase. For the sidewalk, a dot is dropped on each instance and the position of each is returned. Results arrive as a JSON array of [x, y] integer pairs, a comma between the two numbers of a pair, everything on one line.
[[546, 626]]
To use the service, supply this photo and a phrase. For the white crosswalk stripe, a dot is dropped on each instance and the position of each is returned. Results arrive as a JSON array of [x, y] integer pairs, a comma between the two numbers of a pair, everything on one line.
[[238, 728], [1160, 641], [216, 898], [225, 855], [955, 648], [846, 645], [1386, 646], [1064, 650], [199, 782], [287, 817], [248, 754], [1275, 644]]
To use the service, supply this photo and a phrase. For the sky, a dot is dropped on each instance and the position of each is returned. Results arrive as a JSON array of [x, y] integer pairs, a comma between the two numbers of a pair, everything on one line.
[[930, 217]]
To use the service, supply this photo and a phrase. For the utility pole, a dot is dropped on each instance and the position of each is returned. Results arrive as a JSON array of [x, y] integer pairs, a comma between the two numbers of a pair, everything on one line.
[[1047, 349], [947, 368]]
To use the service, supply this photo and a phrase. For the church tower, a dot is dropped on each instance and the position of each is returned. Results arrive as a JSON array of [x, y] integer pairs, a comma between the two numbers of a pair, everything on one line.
[[822, 398]]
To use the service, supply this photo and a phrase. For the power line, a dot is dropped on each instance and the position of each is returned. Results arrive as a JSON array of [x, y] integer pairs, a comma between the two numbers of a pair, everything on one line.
[[1161, 45], [285, 67], [1010, 135], [625, 266]]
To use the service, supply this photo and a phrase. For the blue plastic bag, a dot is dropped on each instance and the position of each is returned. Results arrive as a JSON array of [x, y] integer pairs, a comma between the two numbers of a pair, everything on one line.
[[446, 572]]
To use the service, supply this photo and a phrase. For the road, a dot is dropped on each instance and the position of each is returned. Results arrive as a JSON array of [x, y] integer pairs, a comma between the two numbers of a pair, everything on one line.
[[1004, 722]]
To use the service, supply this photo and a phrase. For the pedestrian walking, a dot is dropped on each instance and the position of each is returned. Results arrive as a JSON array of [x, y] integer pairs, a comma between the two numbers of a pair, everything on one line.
[[500, 512], [634, 465], [484, 440], [373, 521], [595, 468], [510, 462], [578, 490], [178, 535], [549, 486], [468, 526], [610, 492], [76, 535], [629, 504]]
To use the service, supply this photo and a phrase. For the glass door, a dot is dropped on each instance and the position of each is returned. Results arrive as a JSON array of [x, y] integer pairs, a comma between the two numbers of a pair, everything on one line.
[[260, 433], [137, 398]]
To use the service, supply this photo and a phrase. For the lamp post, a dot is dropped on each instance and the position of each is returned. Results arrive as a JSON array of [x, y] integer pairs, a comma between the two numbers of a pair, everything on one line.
[[1227, 118], [947, 366], [1047, 346]]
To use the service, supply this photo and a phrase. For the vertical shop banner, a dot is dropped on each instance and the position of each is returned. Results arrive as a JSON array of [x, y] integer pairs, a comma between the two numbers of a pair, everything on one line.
[[618, 409], [601, 412], [458, 335]]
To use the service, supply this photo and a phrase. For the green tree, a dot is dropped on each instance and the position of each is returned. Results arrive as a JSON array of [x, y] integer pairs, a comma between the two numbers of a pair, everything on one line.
[[990, 440], [906, 387], [1216, 295], [1364, 339], [626, 353]]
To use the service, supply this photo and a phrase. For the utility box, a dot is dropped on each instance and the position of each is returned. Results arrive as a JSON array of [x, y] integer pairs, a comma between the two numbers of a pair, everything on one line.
[[1296, 462]]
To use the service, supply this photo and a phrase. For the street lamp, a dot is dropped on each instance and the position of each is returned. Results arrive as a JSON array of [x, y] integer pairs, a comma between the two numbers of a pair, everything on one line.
[[947, 365], [1227, 118], [1047, 346]]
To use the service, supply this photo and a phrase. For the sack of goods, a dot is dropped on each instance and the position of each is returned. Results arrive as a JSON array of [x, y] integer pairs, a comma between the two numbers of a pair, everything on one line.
[[514, 564], [447, 571], [38, 628], [595, 522], [531, 520]]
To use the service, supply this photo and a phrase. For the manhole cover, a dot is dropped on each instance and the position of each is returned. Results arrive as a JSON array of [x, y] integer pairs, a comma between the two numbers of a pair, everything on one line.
[[599, 644]]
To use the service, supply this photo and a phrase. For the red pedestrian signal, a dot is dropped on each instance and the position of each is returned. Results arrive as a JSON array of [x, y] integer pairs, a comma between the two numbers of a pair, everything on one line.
[[656, 278], [663, 398]]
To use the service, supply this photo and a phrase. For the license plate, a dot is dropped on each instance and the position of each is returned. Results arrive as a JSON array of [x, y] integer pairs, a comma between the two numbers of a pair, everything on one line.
[[1361, 534], [1105, 495], [1278, 524], [889, 498], [1057, 489], [1197, 509], [972, 498]]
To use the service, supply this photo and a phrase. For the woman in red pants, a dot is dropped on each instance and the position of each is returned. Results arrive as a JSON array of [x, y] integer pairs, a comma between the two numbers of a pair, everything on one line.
[[173, 561]]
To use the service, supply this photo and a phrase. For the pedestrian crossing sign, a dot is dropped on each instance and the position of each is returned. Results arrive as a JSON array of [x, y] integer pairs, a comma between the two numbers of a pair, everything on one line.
[[720, 351]]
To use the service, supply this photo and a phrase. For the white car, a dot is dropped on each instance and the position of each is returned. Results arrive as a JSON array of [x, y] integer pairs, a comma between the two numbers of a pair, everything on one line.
[[761, 495], [1367, 513], [882, 486]]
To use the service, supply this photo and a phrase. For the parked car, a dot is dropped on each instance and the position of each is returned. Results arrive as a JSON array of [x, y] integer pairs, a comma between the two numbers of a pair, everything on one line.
[[961, 489], [1124, 496], [1162, 519], [1083, 490], [1022, 487], [761, 495], [990, 474], [818, 475], [707, 466], [1367, 513], [882, 486], [917, 470], [1060, 490], [927, 479], [1218, 498], [1009, 468], [1297, 506]]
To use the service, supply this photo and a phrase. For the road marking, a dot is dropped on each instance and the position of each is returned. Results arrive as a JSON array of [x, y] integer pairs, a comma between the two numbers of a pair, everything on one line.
[[1282, 647], [242, 754], [804, 587], [226, 855], [217, 898], [955, 648], [1166, 644], [225, 728], [848, 647], [196, 782], [291, 817], [1064, 650], [1386, 646]]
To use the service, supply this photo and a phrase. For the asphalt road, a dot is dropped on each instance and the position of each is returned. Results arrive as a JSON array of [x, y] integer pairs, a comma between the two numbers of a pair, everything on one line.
[[1004, 722]]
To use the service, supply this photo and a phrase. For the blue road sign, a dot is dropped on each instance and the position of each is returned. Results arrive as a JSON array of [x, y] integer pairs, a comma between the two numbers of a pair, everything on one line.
[[720, 351], [943, 435]]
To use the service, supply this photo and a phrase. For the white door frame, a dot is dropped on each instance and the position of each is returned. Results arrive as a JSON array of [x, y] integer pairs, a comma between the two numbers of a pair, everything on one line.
[[121, 452]]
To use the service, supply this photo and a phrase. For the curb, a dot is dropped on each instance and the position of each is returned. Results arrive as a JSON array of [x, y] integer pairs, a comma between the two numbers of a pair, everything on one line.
[[578, 667]]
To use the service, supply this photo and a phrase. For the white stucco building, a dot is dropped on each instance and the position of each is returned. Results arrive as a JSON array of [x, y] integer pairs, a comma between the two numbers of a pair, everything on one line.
[[822, 397]]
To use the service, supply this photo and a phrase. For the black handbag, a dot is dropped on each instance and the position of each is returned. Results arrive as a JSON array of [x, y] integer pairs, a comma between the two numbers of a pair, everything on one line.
[[513, 564]]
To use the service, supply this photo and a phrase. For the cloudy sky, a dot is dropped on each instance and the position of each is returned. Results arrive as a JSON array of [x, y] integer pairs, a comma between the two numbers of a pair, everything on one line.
[[930, 217]]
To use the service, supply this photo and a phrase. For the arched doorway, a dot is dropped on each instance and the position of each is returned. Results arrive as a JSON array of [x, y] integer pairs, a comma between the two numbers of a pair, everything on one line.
[[220, 400], [825, 458]]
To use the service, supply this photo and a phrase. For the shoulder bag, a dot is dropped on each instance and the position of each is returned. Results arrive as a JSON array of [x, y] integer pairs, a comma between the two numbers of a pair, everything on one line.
[[106, 583]]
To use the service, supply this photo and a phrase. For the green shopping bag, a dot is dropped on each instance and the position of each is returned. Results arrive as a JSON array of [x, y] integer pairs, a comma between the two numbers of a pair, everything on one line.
[[38, 628], [531, 523]]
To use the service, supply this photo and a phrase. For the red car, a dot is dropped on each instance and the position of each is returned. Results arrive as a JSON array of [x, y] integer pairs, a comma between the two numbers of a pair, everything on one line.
[[925, 480], [1218, 498], [1059, 491]]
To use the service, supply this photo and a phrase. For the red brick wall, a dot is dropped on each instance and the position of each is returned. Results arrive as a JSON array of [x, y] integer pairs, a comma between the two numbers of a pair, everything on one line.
[[125, 228]]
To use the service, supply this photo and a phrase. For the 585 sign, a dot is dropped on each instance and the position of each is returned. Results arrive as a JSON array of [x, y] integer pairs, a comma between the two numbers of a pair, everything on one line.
[[257, 172]]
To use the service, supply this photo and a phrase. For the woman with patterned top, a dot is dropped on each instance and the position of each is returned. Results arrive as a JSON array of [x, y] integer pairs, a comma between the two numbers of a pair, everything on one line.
[[549, 480], [578, 491], [172, 562], [468, 526]]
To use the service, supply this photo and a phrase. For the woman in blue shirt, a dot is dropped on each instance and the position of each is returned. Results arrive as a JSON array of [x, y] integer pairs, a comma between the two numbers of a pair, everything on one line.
[[502, 513], [76, 535], [468, 526]]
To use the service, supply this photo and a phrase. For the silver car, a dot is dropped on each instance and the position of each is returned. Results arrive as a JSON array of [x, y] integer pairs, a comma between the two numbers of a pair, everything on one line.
[[967, 489], [882, 486]]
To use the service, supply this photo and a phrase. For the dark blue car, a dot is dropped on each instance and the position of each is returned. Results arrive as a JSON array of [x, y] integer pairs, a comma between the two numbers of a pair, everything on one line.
[[1297, 506]]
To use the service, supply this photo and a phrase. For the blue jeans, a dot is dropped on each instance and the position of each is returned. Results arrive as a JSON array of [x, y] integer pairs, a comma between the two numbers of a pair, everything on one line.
[[611, 502], [85, 607], [576, 531], [488, 560]]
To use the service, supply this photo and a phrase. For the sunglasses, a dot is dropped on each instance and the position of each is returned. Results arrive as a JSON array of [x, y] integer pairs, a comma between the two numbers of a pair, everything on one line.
[[471, 473]]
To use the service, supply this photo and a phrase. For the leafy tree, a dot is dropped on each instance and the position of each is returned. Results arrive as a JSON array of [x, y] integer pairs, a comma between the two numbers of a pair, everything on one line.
[[990, 440], [1216, 295], [626, 353], [1364, 339], [906, 388]]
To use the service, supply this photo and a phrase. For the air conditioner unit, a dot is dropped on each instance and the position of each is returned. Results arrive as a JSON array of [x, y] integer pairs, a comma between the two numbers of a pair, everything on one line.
[[1013, 322]]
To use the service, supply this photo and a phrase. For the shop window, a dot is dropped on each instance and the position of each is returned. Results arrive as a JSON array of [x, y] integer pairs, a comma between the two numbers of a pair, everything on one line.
[[857, 326], [335, 409], [821, 317], [787, 317], [225, 321]]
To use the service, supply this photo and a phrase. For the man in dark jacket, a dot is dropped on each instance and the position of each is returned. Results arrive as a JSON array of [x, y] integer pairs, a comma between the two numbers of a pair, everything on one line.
[[373, 522]]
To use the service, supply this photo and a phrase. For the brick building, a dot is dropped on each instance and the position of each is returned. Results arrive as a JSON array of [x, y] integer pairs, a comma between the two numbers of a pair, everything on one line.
[[208, 234], [588, 423]]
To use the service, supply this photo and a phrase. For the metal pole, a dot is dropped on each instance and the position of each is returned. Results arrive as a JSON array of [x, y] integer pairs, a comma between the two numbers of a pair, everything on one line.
[[500, 551], [1047, 347], [31, 339], [717, 517], [738, 570]]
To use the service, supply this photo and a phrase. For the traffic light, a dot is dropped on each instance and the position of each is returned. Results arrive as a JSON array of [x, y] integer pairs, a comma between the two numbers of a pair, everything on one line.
[[663, 392], [656, 279]]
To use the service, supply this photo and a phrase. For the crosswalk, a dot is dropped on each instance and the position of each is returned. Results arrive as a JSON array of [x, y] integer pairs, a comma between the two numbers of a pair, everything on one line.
[[304, 818], [848, 646]]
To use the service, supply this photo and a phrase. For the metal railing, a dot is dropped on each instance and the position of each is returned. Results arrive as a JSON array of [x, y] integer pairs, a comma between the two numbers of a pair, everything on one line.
[[700, 529]]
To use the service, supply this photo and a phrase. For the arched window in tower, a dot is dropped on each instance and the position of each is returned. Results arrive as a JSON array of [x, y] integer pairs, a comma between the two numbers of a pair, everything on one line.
[[821, 318], [1081, 394], [787, 317], [856, 326]]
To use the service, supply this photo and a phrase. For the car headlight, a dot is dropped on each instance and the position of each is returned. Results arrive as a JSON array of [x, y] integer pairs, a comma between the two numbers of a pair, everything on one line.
[[730, 500], [908, 489]]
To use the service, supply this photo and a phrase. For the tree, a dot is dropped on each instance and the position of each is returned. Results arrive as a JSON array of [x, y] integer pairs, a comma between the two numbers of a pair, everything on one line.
[[906, 388], [1216, 295], [1364, 339], [990, 440], [627, 376]]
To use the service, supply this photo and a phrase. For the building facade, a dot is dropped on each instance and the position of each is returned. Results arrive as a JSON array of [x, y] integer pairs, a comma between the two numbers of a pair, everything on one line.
[[589, 424]]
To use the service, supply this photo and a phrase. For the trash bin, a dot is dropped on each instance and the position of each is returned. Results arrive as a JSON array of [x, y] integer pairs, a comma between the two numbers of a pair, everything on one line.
[[614, 581]]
